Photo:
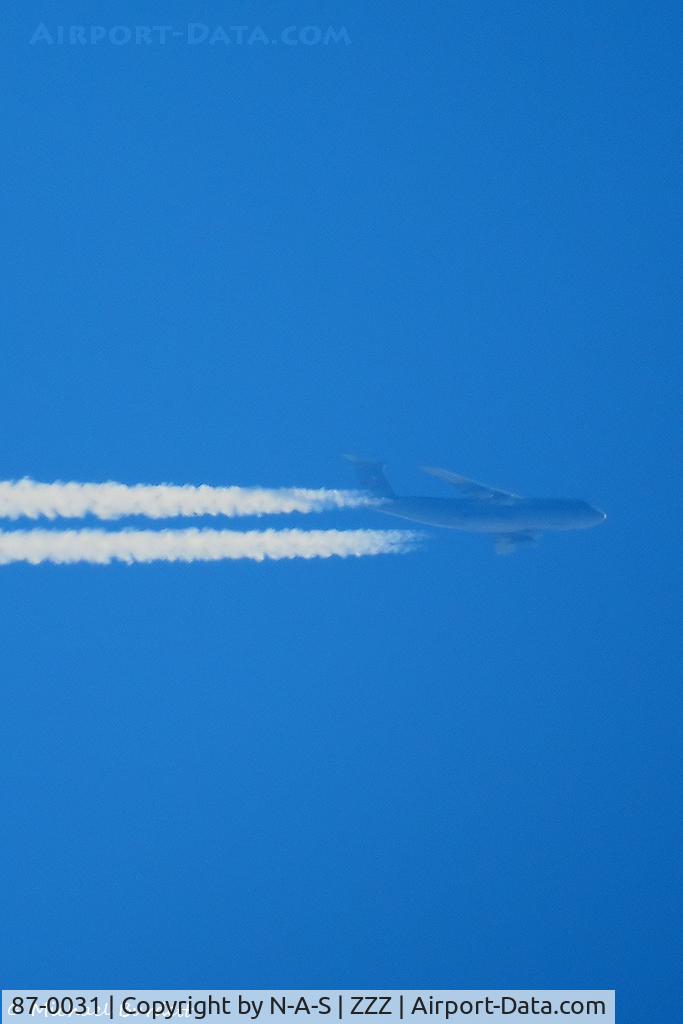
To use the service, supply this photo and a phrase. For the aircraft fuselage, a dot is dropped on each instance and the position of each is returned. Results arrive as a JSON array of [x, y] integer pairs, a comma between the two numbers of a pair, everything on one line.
[[475, 516]]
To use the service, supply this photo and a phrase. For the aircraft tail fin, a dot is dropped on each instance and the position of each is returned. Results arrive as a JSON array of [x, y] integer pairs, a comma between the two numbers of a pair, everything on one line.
[[371, 477]]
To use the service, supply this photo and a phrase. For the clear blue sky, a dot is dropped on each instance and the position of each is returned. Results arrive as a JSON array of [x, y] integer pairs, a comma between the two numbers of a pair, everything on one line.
[[450, 241]]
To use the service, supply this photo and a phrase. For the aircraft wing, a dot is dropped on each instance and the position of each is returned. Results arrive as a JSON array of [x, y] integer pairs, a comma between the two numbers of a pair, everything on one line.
[[508, 543], [471, 488]]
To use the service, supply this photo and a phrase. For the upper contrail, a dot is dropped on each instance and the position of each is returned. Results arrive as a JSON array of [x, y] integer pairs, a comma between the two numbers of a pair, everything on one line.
[[32, 500], [102, 547]]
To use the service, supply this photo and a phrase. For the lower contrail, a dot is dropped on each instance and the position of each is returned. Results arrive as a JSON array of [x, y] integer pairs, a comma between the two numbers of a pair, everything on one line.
[[33, 500], [102, 547]]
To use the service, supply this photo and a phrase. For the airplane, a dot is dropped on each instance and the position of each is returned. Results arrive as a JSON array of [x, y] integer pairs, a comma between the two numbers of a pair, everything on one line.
[[513, 520]]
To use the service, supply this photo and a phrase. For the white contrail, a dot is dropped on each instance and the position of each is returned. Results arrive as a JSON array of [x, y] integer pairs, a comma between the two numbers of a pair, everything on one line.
[[102, 547], [32, 500]]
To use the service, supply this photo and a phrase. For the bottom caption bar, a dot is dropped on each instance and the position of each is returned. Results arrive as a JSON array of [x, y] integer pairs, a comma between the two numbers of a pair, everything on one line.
[[349, 1006]]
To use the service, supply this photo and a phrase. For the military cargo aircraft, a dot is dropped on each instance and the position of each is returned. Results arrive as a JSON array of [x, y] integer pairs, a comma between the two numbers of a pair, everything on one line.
[[514, 521]]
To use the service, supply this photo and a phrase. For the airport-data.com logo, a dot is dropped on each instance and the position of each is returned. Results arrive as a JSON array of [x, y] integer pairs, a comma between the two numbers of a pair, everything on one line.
[[194, 33]]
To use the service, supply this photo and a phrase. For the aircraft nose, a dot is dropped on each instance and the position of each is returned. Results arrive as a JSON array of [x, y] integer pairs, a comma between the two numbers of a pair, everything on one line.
[[602, 516]]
